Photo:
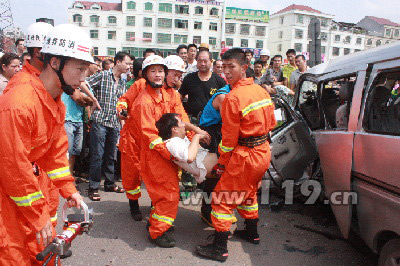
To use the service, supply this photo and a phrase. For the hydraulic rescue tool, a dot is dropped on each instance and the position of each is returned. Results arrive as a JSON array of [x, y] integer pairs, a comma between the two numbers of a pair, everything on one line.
[[74, 225]]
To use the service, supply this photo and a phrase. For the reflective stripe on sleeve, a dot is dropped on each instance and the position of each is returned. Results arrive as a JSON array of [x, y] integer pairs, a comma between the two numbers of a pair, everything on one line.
[[221, 216], [224, 148], [123, 104], [54, 218], [248, 208], [28, 200], [134, 191], [58, 173], [155, 142], [256, 105], [164, 219]]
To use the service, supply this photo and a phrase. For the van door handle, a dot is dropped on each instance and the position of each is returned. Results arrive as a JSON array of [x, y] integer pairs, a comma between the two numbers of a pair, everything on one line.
[[279, 154]]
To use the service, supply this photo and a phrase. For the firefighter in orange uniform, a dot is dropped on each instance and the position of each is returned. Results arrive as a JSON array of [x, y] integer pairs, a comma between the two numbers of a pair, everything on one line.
[[159, 173], [32, 121], [36, 33], [129, 143], [129, 146], [247, 116]]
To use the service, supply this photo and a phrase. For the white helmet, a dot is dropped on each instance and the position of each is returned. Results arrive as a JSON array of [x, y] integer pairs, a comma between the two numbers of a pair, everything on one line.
[[36, 34], [68, 40], [175, 62], [153, 60], [265, 52]]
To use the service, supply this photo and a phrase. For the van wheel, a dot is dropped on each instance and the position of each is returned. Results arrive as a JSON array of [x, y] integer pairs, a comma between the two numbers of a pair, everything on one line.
[[390, 254]]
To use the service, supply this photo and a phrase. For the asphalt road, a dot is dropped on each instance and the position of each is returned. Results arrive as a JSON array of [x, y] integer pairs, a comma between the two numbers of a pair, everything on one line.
[[290, 235]]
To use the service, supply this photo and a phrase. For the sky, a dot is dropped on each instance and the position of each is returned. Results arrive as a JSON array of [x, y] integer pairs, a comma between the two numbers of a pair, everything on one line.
[[25, 12]]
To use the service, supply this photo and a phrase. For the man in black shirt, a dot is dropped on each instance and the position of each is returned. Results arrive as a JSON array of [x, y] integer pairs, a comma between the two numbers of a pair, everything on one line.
[[201, 85], [198, 87]]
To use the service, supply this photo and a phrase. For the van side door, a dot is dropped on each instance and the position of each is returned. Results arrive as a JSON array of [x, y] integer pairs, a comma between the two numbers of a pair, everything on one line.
[[376, 167], [340, 94], [292, 146]]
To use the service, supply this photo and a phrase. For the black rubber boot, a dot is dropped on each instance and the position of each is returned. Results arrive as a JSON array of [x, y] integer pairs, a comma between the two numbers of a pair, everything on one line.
[[218, 250], [135, 212], [164, 241], [250, 232]]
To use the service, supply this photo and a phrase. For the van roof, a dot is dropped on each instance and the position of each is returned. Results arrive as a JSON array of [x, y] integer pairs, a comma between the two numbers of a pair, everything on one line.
[[355, 60]]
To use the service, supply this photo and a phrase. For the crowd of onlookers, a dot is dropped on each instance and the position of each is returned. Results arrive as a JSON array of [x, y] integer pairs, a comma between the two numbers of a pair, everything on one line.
[[110, 79]]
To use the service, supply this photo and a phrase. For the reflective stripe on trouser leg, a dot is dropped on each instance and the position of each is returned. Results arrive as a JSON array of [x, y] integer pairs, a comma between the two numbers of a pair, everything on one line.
[[248, 212], [163, 219], [248, 209], [130, 175], [162, 215], [221, 217]]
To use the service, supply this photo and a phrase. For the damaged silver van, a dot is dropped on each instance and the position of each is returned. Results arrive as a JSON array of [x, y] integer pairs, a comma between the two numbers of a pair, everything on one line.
[[345, 123]]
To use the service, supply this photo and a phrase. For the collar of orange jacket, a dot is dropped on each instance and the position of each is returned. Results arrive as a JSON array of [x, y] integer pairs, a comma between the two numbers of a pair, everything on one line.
[[154, 95], [55, 106], [243, 82], [31, 69]]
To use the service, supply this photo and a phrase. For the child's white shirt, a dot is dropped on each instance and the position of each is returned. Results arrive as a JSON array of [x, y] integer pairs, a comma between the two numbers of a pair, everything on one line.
[[179, 148]]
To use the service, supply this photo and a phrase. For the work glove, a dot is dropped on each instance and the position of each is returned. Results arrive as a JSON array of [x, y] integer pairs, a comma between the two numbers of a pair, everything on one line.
[[218, 170]]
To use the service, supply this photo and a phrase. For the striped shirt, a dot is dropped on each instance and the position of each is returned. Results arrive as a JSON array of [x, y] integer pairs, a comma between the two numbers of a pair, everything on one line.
[[107, 94]]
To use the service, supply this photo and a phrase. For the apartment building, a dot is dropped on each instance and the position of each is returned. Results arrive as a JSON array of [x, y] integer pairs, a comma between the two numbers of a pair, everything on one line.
[[288, 28], [379, 31], [342, 39], [134, 26]]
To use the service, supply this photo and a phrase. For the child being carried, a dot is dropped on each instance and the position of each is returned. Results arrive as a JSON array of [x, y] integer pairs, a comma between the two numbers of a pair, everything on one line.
[[188, 154]]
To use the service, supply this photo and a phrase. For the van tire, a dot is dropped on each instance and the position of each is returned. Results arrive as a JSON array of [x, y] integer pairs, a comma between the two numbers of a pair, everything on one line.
[[390, 253]]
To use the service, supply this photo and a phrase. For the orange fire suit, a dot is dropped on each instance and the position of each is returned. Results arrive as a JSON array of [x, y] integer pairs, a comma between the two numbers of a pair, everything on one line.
[[129, 143], [159, 173], [247, 111], [50, 191], [32, 124]]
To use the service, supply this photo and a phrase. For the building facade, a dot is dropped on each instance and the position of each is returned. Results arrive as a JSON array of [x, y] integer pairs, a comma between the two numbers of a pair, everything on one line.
[[288, 28], [134, 26], [342, 39], [380, 31]]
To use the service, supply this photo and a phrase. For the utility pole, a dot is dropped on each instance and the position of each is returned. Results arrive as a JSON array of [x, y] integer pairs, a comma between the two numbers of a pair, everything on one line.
[[6, 24], [222, 45], [314, 33]]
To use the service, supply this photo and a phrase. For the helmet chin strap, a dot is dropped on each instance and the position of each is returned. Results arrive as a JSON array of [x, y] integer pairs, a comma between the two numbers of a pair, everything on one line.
[[156, 86], [64, 86], [166, 83], [152, 84]]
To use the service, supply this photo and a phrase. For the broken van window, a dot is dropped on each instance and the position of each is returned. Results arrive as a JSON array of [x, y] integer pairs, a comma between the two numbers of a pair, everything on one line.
[[336, 98]]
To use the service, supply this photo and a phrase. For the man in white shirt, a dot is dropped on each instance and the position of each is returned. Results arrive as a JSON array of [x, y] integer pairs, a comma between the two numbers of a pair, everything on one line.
[[191, 59], [301, 64]]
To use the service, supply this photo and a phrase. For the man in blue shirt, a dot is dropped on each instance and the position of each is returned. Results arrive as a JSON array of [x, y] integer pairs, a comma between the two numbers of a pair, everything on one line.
[[74, 128], [211, 122]]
